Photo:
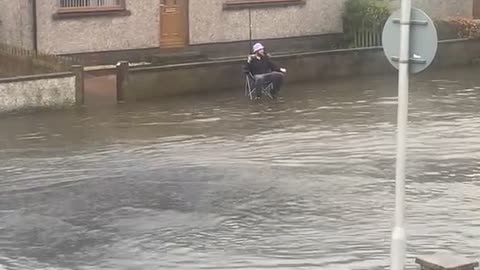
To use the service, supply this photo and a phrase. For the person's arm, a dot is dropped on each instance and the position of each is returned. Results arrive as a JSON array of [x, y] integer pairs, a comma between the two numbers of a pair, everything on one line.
[[273, 65], [247, 66]]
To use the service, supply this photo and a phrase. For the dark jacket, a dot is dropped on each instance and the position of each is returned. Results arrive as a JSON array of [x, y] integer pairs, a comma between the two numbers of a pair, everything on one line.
[[260, 66]]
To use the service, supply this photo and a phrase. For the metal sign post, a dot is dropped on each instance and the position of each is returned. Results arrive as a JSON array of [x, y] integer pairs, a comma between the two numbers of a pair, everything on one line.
[[415, 56], [399, 241]]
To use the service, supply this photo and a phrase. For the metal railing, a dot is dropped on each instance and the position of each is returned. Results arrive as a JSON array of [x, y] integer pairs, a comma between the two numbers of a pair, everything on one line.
[[15, 61], [367, 38]]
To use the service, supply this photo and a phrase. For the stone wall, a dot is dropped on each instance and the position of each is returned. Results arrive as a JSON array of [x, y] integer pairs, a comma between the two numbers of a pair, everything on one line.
[[145, 83], [16, 23], [39, 91]]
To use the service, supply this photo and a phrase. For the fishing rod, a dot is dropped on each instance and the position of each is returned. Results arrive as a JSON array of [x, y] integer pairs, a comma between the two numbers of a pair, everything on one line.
[[250, 29]]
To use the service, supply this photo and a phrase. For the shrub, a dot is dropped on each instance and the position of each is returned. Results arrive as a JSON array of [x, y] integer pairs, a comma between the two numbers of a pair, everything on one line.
[[453, 28], [364, 15]]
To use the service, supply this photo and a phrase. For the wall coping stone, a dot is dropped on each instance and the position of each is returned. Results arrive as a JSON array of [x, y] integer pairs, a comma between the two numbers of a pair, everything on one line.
[[37, 77]]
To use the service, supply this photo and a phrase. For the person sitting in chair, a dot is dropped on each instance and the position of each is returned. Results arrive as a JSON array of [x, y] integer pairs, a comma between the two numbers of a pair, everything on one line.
[[264, 70]]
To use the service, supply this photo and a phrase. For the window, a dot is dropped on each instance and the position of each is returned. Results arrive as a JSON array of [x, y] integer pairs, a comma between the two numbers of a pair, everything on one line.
[[75, 6], [235, 4]]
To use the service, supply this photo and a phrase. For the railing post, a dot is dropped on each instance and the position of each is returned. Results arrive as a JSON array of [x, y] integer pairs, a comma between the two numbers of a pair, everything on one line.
[[79, 84], [122, 80]]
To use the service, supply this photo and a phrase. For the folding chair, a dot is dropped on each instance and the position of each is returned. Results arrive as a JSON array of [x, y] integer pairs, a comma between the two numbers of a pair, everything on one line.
[[250, 90]]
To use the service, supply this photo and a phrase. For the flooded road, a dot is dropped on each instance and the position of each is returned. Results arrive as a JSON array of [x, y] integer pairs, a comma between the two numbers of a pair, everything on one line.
[[219, 182]]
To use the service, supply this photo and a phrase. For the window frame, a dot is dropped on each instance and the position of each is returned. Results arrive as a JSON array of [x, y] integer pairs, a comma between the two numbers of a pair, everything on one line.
[[102, 9], [241, 4]]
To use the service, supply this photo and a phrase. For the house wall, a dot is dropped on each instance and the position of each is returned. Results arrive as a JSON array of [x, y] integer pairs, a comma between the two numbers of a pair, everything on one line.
[[16, 23], [140, 29], [209, 22], [442, 8]]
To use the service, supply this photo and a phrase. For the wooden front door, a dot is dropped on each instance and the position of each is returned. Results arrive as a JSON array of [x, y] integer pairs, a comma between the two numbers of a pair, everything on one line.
[[173, 23], [476, 9]]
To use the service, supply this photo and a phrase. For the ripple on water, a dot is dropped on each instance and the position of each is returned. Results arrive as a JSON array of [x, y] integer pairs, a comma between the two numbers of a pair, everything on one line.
[[306, 182]]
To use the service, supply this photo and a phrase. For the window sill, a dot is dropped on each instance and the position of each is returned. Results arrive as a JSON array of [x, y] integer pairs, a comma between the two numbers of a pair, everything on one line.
[[242, 4], [93, 13]]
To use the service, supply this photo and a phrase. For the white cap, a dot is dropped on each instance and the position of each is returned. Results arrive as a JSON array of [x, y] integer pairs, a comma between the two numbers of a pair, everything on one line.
[[257, 47]]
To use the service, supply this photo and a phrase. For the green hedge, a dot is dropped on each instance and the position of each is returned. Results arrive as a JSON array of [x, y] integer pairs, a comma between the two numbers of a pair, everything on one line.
[[360, 15]]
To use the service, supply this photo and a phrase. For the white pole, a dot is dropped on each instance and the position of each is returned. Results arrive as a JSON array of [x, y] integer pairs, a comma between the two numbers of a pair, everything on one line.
[[398, 249]]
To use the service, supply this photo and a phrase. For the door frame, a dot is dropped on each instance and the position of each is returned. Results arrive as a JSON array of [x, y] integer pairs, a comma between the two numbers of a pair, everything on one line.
[[187, 28], [476, 9]]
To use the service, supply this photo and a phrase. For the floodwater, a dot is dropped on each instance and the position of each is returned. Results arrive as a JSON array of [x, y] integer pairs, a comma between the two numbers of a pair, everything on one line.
[[219, 182]]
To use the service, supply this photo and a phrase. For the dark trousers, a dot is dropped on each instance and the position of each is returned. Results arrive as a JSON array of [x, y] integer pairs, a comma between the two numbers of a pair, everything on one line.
[[261, 80]]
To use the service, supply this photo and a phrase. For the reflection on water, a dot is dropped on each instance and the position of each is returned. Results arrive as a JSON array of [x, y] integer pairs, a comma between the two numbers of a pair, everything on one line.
[[218, 182]]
